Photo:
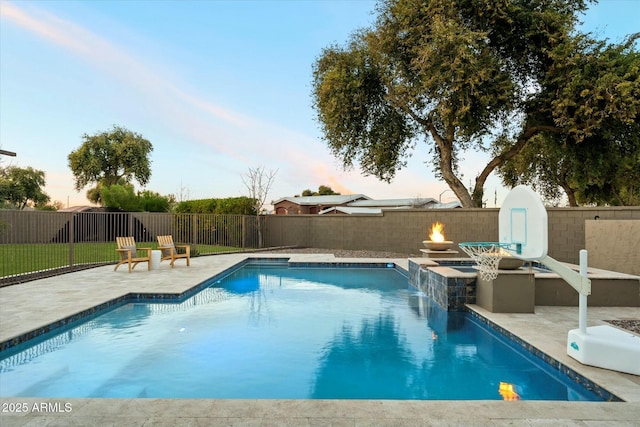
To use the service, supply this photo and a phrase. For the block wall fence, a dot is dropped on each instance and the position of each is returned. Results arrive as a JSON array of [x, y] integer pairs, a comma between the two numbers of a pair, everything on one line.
[[403, 231]]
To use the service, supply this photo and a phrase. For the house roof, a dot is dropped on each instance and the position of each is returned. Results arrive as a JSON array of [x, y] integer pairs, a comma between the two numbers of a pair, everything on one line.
[[449, 205], [350, 210], [338, 199], [85, 208], [394, 203]]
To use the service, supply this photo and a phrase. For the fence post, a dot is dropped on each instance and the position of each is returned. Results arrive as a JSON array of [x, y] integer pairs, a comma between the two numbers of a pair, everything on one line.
[[194, 230], [71, 237], [244, 232]]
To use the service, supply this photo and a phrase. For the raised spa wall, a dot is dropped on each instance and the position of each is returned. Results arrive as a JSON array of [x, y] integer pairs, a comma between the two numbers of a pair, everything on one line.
[[449, 288], [516, 291]]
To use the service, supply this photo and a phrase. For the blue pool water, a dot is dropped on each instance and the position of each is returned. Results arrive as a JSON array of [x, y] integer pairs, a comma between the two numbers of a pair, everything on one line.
[[294, 333]]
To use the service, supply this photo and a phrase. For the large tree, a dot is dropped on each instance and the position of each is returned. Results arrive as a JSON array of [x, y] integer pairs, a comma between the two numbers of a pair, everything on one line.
[[460, 74], [117, 156], [22, 187], [596, 159]]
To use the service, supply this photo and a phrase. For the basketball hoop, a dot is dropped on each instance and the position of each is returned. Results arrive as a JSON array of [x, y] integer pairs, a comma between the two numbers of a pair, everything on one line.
[[487, 256]]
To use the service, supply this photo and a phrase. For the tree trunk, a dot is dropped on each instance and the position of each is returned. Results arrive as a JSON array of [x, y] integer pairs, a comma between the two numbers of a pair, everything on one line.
[[259, 224], [571, 195], [478, 189], [445, 146]]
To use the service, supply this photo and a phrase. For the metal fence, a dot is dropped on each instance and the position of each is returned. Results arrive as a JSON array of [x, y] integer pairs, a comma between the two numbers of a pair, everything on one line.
[[36, 244]]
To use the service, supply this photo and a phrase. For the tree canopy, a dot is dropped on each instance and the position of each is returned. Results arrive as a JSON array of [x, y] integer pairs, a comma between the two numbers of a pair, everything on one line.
[[226, 206], [124, 198], [596, 160], [118, 156], [461, 74], [22, 187], [323, 190]]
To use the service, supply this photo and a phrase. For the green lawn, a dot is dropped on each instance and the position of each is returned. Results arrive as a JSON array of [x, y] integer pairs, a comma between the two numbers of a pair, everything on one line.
[[26, 258]]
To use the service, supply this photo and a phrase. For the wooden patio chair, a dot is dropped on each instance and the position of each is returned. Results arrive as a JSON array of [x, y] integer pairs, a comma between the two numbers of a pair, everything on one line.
[[170, 250], [129, 253]]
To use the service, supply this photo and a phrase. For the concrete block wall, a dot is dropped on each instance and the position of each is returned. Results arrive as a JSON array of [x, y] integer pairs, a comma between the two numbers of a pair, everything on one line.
[[614, 245], [404, 230], [567, 228]]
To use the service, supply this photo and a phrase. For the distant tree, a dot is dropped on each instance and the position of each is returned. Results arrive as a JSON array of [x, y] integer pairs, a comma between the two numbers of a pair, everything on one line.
[[236, 206], [123, 197], [258, 182], [108, 158], [22, 187], [150, 201], [120, 197], [226, 206], [323, 190], [56, 205]]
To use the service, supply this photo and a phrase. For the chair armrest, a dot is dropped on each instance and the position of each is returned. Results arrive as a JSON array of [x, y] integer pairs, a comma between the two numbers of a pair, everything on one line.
[[127, 251], [171, 249], [186, 248]]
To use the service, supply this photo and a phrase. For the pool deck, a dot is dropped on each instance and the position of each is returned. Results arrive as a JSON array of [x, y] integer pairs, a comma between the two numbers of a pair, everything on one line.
[[29, 306]]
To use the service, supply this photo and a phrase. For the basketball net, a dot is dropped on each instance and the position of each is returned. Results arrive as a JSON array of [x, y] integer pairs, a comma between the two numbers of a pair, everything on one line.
[[487, 256]]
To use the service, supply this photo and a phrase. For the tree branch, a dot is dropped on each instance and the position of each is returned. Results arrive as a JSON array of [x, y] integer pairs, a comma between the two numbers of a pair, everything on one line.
[[513, 151]]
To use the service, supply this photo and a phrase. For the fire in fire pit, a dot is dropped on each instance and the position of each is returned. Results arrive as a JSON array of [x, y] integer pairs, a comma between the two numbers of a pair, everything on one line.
[[436, 240]]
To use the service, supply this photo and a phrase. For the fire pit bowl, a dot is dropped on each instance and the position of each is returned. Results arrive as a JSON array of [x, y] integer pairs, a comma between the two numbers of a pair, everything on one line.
[[510, 263], [438, 246]]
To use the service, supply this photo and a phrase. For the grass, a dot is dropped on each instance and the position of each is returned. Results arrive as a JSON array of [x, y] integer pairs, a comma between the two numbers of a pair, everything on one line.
[[27, 258]]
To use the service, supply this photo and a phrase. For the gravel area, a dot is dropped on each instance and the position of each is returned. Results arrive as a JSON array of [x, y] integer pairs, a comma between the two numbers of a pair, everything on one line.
[[342, 253], [629, 325], [632, 325]]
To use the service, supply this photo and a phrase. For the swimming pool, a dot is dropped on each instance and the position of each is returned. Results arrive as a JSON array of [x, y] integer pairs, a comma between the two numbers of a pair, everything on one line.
[[268, 331]]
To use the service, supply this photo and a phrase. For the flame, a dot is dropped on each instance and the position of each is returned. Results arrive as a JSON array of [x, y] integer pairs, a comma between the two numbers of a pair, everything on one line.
[[436, 232], [508, 391]]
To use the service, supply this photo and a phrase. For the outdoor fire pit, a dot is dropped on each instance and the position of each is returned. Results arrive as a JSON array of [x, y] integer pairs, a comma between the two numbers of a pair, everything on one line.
[[437, 241]]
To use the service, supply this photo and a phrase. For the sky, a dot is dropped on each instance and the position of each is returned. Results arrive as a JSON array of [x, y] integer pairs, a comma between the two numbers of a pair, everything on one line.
[[217, 86]]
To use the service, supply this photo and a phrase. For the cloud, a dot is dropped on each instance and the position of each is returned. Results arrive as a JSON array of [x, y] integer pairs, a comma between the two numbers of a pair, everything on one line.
[[182, 115], [113, 59], [242, 137]]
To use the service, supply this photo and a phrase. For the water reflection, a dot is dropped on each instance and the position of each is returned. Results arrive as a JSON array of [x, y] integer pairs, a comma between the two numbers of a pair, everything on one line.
[[353, 364]]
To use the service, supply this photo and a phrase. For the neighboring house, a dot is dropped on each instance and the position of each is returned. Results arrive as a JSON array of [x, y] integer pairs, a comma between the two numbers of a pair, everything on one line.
[[352, 204], [448, 205], [85, 208], [375, 207], [347, 210], [395, 203], [313, 204]]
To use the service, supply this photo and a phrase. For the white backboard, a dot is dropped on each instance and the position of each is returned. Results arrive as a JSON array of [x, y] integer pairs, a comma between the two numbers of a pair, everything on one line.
[[523, 224]]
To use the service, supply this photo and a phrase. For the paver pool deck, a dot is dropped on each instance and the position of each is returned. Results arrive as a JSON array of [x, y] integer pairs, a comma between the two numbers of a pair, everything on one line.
[[28, 306]]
